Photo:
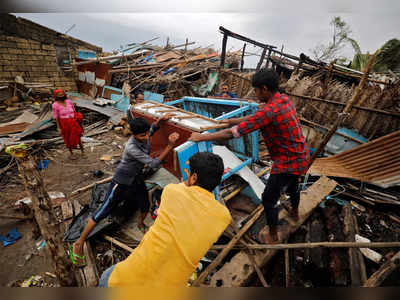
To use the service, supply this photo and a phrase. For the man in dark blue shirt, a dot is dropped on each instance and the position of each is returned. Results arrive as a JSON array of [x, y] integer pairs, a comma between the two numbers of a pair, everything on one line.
[[128, 181], [225, 93]]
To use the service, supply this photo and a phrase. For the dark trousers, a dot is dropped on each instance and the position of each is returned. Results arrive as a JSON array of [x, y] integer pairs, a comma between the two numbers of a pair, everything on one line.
[[275, 185], [118, 193]]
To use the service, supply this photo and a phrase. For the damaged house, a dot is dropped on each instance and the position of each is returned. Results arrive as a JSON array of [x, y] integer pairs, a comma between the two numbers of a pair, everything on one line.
[[349, 225]]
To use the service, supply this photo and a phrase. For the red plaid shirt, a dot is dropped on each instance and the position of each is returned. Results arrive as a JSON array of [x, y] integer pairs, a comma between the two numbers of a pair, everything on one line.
[[282, 133]]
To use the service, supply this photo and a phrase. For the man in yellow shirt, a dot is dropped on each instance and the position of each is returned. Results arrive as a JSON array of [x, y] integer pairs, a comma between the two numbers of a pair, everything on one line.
[[189, 222]]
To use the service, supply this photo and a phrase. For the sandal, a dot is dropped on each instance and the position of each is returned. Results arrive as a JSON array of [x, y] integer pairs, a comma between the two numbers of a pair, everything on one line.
[[143, 228], [75, 257]]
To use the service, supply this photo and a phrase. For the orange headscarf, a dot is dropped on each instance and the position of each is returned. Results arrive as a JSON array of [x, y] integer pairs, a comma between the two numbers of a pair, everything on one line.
[[58, 93]]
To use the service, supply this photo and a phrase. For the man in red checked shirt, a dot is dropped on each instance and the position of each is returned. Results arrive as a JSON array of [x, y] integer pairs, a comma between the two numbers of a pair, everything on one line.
[[281, 129]]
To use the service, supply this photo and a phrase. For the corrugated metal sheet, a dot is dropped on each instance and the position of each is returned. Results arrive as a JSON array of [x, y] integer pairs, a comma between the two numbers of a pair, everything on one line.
[[377, 162]]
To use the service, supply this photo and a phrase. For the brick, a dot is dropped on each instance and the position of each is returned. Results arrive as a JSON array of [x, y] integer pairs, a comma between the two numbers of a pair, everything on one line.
[[38, 68], [10, 68], [35, 46], [31, 62], [6, 62], [23, 46], [47, 47], [20, 62], [5, 75], [13, 51], [22, 68], [16, 73]]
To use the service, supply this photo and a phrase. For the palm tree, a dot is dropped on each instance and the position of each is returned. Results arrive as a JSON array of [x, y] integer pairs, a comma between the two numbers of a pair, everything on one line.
[[387, 59]]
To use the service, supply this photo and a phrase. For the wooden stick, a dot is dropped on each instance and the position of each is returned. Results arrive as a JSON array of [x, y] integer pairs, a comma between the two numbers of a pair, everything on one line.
[[85, 188], [384, 271], [186, 117], [379, 111], [360, 257], [166, 110], [317, 245], [118, 243], [259, 210], [349, 231], [258, 271], [287, 268]]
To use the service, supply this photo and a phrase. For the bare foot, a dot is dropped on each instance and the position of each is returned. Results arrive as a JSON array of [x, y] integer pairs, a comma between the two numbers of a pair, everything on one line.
[[267, 238], [73, 157]]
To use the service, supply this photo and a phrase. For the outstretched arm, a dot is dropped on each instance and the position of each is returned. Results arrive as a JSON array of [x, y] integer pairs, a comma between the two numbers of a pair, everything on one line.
[[225, 134], [235, 121]]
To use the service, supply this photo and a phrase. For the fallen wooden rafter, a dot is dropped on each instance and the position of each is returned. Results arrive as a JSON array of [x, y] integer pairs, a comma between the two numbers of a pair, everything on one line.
[[238, 271], [384, 271]]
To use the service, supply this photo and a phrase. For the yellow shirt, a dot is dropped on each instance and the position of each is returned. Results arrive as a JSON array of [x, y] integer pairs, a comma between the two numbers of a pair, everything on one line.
[[189, 222]]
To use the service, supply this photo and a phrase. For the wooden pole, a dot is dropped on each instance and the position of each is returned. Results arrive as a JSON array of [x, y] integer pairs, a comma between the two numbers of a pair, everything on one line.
[[328, 77], [384, 271], [258, 271], [379, 111], [50, 227], [316, 245], [242, 59], [223, 52], [349, 231], [85, 188], [186, 44], [261, 59], [346, 110], [360, 257], [118, 243], [287, 268], [268, 57], [258, 211]]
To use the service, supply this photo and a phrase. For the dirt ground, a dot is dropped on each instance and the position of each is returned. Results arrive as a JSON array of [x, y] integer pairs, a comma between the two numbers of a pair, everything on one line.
[[21, 260]]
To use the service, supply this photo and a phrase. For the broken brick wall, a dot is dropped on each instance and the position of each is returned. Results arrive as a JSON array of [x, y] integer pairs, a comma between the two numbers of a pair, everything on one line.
[[33, 52]]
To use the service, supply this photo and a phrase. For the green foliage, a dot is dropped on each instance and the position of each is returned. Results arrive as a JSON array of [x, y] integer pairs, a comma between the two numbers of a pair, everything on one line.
[[387, 59]]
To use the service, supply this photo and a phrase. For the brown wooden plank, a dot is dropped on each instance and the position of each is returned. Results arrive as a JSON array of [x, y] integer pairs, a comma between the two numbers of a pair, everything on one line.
[[238, 271]]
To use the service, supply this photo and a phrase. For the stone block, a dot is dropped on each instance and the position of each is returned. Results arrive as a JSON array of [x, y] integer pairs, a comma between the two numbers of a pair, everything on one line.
[[10, 68], [13, 51], [5, 75], [35, 46], [23, 46], [47, 47], [16, 73]]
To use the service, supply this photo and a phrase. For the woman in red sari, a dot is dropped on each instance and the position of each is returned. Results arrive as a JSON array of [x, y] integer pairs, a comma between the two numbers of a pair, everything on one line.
[[67, 123]]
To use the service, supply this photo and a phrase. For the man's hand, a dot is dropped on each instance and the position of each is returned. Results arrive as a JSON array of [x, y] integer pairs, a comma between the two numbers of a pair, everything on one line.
[[173, 137], [196, 137], [165, 117]]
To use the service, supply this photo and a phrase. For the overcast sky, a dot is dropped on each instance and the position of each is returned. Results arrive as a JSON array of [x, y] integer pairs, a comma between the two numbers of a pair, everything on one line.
[[298, 25]]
